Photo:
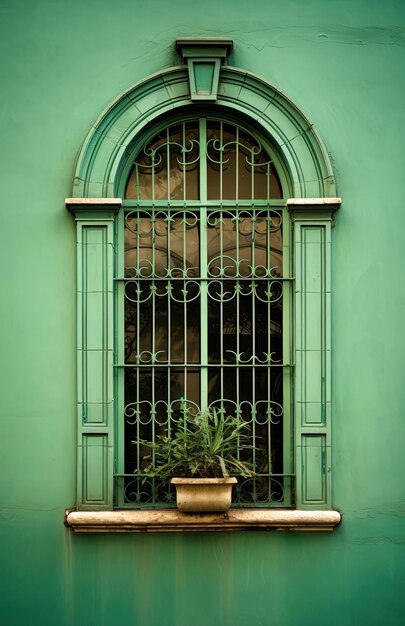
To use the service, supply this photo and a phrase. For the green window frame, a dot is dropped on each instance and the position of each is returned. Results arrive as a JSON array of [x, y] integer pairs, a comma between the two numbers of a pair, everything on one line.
[[236, 210], [311, 206]]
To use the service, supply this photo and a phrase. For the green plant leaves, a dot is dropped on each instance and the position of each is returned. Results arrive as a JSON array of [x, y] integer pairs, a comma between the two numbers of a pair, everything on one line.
[[208, 445]]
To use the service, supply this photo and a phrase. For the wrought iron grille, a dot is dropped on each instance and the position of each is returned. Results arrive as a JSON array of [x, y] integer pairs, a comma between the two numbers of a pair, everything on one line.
[[206, 293]]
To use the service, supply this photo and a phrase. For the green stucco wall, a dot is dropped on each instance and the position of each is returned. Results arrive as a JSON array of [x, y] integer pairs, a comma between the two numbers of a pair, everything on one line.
[[62, 63]]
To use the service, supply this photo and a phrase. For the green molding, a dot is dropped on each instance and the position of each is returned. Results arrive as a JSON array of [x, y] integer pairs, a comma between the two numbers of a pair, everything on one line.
[[312, 222], [112, 137], [95, 343]]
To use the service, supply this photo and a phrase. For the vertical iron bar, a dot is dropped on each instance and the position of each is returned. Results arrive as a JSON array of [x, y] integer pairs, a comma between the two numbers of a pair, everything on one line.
[[137, 343], [253, 330], [203, 267], [238, 281], [252, 178], [184, 164], [237, 165], [119, 349], [268, 173], [169, 323], [184, 300], [138, 197], [269, 285], [153, 175], [221, 315], [238, 295], [288, 461], [221, 137], [153, 340], [168, 177]]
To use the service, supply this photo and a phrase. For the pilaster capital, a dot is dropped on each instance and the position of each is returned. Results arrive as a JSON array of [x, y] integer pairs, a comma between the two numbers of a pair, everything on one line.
[[313, 209], [93, 208]]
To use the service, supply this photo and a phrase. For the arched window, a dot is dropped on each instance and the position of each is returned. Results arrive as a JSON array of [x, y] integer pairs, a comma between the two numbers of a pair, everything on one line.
[[204, 253], [206, 293]]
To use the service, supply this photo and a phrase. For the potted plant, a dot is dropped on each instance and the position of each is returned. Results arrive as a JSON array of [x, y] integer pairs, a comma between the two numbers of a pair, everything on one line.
[[201, 459]]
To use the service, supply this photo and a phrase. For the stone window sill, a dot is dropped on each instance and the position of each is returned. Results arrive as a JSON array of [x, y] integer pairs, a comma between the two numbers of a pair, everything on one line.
[[171, 520]]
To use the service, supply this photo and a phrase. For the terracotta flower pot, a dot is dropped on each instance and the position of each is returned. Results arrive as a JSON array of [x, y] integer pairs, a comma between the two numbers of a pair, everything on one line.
[[203, 495]]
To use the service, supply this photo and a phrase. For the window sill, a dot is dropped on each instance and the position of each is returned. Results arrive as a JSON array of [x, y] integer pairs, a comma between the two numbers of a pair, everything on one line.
[[171, 520]]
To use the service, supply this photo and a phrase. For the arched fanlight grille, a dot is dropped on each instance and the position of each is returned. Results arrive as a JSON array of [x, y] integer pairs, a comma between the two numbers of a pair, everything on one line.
[[227, 161]]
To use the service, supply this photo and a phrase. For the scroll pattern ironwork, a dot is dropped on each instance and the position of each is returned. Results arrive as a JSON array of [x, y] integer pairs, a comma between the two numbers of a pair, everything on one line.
[[167, 167], [204, 290], [237, 166]]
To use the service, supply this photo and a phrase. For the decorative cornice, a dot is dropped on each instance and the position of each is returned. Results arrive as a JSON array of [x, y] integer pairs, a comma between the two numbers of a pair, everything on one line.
[[305, 202], [204, 46], [85, 208], [171, 520], [313, 208], [86, 202]]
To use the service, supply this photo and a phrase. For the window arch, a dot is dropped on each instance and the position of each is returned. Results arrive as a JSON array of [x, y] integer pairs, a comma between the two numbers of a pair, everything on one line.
[[109, 144]]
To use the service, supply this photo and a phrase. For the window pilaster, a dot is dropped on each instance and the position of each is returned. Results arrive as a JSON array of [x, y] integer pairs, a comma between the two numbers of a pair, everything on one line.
[[312, 220], [95, 331]]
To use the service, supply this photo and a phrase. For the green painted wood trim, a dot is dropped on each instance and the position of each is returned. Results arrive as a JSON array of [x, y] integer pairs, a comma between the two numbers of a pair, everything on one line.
[[312, 221], [95, 344], [113, 136]]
